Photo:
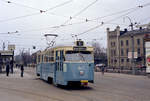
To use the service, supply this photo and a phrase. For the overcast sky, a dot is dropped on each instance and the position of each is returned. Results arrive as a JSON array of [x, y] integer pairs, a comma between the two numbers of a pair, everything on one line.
[[24, 16]]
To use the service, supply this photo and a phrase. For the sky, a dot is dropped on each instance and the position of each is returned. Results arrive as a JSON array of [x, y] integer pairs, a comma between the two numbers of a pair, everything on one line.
[[22, 24]]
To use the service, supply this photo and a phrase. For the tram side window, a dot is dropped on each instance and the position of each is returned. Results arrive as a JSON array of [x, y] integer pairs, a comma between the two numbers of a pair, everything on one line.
[[51, 56], [42, 58], [38, 58]]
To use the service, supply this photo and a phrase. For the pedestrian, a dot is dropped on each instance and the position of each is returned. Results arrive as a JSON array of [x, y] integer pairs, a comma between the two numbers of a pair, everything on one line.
[[11, 66], [102, 70], [22, 70], [1, 65], [7, 68]]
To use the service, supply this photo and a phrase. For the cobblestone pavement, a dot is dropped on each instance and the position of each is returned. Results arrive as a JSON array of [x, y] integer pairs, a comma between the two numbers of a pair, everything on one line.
[[110, 87]]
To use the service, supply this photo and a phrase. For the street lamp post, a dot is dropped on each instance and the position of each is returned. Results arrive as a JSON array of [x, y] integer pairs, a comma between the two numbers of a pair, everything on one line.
[[132, 61], [132, 40]]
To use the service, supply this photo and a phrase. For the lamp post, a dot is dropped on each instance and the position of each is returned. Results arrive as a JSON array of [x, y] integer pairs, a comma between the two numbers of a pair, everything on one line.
[[132, 40], [132, 59]]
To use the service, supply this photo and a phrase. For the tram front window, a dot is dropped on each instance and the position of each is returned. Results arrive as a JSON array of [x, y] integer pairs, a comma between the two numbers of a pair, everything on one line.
[[79, 56]]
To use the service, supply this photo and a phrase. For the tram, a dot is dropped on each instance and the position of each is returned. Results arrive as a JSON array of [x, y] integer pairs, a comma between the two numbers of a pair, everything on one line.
[[65, 65]]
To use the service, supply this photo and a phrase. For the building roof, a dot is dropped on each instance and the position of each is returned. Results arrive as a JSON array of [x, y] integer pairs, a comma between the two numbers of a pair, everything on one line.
[[135, 32]]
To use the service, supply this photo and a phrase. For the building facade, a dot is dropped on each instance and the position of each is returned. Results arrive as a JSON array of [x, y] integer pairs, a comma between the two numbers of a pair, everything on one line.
[[121, 44]]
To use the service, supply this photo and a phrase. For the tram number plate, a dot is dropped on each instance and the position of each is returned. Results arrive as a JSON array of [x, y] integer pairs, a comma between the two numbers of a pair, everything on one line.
[[79, 48], [84, 81]]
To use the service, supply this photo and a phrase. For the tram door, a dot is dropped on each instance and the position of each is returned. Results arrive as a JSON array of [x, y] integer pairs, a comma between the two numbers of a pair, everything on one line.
[[59, 65]]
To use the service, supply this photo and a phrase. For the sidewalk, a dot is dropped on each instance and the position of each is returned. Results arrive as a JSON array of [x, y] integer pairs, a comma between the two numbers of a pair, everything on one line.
[[16, 74], [138, 72]]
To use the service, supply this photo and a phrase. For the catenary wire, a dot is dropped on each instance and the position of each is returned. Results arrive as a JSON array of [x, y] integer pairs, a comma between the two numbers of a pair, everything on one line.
[[37, 13]]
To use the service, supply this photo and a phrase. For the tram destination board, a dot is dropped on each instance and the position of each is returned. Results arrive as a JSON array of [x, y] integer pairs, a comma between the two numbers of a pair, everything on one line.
[[79, 48]]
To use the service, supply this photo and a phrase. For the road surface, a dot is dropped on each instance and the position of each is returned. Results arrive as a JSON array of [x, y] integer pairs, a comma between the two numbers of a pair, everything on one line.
[[110, 87]]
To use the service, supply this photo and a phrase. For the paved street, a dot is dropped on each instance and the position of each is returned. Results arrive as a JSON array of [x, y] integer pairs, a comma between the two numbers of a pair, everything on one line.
[[110, 87]]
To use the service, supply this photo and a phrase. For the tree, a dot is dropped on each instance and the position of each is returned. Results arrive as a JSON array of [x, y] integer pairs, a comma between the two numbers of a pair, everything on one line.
[[24, 57], [100, 55]]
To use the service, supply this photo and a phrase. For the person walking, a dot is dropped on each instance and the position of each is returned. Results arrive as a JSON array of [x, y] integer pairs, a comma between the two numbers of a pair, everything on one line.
[[102, 70], [22, 70], [7, 68]]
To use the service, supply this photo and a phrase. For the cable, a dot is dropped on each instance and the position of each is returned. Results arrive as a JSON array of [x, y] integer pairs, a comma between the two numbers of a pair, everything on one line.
[[80, 11], [77, 13], [20, 17], [21, 5], [105, 23], [10, 32], [40, 11], [84, 21], [62, 4]]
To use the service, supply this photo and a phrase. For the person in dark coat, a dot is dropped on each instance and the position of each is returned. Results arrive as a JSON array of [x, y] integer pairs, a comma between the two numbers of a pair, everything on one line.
[[1, 64], [22, 70], [102, 70], [11, 66], [7, 68]]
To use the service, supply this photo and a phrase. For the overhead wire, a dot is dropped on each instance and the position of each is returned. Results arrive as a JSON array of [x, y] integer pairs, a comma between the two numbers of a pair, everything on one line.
[[122, 11], [64, 3], [116, 18], [84, 21], [37, 13], [91, 20], [18, 4], [81, 11]]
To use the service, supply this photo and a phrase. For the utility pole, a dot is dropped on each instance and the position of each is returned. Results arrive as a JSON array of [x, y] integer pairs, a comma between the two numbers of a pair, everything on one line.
[[132, 40]]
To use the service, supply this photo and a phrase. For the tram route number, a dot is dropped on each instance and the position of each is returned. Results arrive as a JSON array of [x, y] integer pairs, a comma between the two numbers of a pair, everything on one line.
[[79, 48]]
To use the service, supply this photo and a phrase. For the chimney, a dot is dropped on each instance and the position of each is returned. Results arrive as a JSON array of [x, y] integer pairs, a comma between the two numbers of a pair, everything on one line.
[[125, 30]]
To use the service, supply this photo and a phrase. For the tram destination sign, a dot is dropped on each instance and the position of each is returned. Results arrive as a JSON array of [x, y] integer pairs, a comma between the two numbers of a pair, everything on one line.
[[79, 48]]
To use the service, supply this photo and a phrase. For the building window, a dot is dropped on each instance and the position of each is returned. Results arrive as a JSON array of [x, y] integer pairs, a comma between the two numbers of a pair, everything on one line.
[[138, 41], [114, 52], [111, 60], [111, 44], [138, 51], [122, 53], [127, 42], [111, 52], [121, 42], [127, 60], [114, 44], [127, 50], [122, 60]]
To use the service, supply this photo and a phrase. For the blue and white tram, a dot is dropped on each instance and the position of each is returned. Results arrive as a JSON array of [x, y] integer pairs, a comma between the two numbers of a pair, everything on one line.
[[66, 65]]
